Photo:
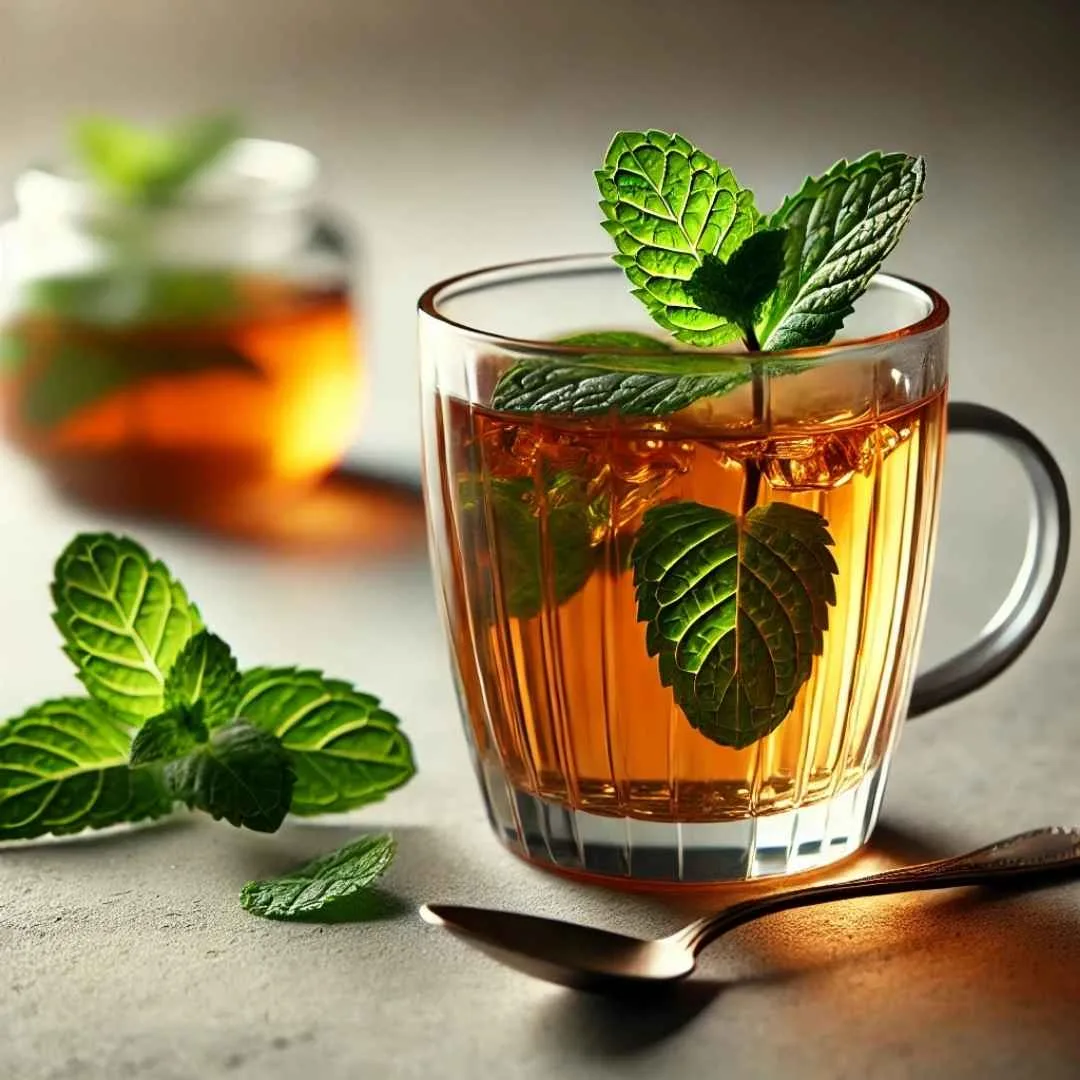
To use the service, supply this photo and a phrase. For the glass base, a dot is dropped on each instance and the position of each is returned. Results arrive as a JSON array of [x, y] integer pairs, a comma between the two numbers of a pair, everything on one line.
[[637, 850]]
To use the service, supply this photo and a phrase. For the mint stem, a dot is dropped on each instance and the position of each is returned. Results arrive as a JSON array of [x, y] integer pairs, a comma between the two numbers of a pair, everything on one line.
[[757, 388]]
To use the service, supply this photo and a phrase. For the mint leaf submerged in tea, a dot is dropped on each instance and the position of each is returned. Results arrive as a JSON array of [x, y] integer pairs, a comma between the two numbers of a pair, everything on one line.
[[735, 610]]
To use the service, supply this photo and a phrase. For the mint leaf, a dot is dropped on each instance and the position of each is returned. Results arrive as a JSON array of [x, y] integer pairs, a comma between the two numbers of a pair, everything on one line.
[[205, 671], [538, 536], [667, 205], [242, 774], [345, 749], [325, 888], [14, 353], [150, 168], [610, 384], [126, 293], [64, 768], [81, 375], [736, 289], [124, 620], [735, 610], [169, 735], [840, 228]]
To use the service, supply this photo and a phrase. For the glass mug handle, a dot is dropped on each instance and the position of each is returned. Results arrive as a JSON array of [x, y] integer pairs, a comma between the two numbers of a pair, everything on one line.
[[1024, 610]]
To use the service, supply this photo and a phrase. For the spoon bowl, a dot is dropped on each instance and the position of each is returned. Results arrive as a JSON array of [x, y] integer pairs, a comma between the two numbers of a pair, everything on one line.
[[563, 952], [586, 958]]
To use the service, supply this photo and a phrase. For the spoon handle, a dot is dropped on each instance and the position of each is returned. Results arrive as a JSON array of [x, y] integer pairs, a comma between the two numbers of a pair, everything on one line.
[[1042, 853]]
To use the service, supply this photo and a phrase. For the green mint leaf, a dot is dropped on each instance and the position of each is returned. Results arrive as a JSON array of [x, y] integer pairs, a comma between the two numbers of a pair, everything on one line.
[[79, 376], [150, 168], [345, 749], [736, 289], [14, 353], [526, 523], [205, 672], [667, 205], [840, 228], [604, 385], [242, 774], [125, 293], [735, 611], [172, 734], [64, 768], [124, 620], [326, 889], [617, 339]]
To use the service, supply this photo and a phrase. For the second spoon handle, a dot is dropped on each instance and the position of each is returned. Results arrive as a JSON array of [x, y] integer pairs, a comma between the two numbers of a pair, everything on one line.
[[1040, 853]]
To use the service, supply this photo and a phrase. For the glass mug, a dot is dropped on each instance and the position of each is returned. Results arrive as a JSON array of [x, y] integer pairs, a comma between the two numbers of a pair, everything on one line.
[[589, 759]]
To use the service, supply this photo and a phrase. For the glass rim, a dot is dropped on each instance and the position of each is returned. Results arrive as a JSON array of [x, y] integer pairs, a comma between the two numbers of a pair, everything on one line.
[[434, 295]]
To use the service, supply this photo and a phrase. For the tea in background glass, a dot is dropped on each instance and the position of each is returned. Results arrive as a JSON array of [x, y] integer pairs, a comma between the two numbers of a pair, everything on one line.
[[181, 355]]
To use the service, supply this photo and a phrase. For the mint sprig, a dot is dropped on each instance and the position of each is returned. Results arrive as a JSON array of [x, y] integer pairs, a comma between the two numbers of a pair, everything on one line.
[[172, 718]]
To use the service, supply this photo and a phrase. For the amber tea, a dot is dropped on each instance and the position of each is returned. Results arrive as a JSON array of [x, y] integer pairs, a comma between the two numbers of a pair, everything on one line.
[[229, 386], [542, 514]]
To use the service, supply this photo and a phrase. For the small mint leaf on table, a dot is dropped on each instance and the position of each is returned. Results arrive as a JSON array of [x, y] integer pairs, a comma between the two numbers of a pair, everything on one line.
[[735, 610], [64, 768], [346, 750], [205, 672], [124, 620], [736, 288], [840, 227], [328, 889], [667, 205], [170, 735], [241, 774]]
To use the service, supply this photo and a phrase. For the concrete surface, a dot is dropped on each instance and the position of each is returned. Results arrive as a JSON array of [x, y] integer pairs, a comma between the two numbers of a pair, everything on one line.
[[129, 956]]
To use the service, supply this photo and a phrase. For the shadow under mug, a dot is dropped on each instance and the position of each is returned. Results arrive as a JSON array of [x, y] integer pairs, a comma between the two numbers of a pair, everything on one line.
[[589, 762]]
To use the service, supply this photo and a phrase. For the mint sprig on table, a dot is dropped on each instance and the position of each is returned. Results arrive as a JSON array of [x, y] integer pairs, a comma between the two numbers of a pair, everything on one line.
[[171, 718], [736, 605]]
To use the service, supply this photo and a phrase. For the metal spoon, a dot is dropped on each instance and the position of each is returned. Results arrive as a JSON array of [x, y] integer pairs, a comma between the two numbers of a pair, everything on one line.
[[591, 959]]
